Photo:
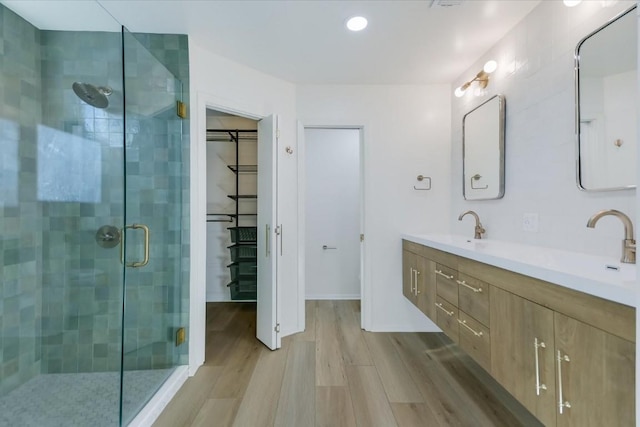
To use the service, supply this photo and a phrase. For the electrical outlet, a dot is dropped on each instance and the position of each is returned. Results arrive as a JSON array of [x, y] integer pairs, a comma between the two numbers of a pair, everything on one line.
[[530, 222]]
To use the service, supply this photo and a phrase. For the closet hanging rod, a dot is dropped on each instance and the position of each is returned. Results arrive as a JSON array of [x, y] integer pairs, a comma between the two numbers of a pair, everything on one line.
[[230, 140], [233, 130], [224, 136], [229, 219], [217, 138]]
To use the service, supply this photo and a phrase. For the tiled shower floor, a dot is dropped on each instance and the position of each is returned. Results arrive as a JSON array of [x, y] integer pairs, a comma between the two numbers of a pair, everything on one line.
[[78, 400]]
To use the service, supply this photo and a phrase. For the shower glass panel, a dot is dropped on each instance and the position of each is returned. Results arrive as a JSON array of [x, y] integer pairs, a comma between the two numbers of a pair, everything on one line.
[[153, 146], [87, 156], [61, 180]]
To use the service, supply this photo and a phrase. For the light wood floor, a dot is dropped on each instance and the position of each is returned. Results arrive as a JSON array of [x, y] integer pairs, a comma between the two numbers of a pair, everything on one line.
[[334, 374]]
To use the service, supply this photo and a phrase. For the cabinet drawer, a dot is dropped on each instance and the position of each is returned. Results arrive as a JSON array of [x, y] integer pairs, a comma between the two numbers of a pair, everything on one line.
[[447, 318], [475, 339], [473, 298], [446, 285]]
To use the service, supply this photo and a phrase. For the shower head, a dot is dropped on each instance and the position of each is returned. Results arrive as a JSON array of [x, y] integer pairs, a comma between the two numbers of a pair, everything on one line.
[[92, 95]]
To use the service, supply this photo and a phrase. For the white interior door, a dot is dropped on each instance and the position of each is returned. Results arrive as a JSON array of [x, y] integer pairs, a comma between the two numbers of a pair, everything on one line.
[[267, 327], [332, 213]]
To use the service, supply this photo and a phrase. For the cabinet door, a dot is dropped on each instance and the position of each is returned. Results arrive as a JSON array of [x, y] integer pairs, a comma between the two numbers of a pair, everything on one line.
[[595, 374], [521, 367], [427, 287], [408, 275]]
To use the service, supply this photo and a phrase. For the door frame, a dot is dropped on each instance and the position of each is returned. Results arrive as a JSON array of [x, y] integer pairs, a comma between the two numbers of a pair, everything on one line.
[[365, 292], [197, 216]]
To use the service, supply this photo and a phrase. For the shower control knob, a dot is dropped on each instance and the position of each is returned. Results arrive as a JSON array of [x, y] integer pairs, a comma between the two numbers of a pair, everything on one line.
[[108, 236]]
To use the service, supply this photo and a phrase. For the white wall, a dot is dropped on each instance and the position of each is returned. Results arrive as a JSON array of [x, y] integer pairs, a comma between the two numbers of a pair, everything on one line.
[[535, 73], [332, 213], [406, 133], [620, 106], [221, 84]]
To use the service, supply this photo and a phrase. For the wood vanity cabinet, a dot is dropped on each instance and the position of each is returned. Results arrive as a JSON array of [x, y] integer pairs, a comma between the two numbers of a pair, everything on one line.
[[545, 359], [568, 357], [523, 359], [409, 261], [598, 375], [418, 282], [459, 305]]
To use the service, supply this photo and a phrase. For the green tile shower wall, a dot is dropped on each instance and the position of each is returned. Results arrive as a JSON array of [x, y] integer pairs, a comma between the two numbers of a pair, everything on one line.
[[21, 220], [61, 294], [152, 149], [159, 151], [82, 282]]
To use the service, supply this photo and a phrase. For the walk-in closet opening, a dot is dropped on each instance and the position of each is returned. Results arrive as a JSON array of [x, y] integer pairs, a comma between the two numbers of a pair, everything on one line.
[[242, 247], [232, 194]]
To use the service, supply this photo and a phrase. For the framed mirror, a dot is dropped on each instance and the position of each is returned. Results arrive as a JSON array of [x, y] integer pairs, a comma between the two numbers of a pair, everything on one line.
[[606, 105], [483, 150]]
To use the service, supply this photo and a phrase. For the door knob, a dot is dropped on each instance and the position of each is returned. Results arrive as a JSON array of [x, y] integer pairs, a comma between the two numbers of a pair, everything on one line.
[[325, 247]]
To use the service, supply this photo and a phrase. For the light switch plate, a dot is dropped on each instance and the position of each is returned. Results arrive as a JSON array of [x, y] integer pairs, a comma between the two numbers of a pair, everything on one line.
[[530, 222]]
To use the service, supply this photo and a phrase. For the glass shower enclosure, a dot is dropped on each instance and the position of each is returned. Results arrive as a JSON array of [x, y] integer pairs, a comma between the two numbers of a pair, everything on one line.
[[92, 311]]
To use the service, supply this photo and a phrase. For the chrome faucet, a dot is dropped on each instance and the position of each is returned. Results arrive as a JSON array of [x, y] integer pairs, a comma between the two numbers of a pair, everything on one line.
[[629, 243], [479, 230]]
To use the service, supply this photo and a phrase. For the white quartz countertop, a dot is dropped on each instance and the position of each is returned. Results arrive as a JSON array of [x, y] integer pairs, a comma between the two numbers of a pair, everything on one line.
[[590, 274]]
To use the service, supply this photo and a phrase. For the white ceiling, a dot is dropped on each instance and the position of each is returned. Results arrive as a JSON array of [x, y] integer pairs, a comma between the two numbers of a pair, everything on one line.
[[304, 41]]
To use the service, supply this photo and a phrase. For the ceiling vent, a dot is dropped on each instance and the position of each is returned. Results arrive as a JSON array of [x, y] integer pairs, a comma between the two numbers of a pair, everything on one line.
[[446, 3]]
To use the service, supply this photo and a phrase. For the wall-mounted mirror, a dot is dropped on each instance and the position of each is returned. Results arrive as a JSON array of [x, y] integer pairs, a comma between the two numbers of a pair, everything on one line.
[[483, 150], [606, 105]]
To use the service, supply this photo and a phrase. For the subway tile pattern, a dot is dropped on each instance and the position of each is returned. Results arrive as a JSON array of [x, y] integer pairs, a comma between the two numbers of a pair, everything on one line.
[[21, 218], [61, 295], [172, 50], [82, 282], [536, 75], [158, 150]]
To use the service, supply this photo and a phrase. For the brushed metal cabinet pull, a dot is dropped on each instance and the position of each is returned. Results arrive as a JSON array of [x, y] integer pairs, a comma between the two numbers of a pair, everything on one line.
[[537, 345], [464, 323], [561, 403], [449, 313], [440, 273], [464, 283]]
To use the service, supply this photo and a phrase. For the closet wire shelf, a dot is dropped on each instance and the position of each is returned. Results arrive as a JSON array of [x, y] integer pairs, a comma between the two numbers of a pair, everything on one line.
[[244, 266]]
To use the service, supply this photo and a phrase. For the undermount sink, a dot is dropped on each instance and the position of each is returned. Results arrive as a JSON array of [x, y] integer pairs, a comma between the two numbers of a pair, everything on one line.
[[605, 277]]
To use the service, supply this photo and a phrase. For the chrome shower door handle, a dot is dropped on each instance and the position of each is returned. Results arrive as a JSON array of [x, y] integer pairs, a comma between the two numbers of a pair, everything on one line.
[[145, 260]]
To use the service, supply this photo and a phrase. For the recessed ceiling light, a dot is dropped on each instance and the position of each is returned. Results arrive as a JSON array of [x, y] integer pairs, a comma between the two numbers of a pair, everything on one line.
[[571, 3], [357, 23]]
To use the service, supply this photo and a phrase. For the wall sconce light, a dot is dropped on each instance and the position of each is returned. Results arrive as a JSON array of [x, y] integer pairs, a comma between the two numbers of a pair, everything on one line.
[[482, 78]]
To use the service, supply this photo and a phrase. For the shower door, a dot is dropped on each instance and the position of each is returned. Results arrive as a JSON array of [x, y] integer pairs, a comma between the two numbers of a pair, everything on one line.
[[153, 316]]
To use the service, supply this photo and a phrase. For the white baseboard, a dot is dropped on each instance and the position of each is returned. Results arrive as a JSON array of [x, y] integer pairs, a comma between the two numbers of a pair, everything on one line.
[[333, 297], [161, 399], [218, 297]]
